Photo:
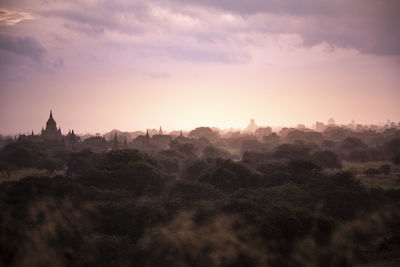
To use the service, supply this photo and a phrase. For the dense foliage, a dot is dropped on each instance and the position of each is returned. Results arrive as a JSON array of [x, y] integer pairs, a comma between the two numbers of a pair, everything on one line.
[[195, 204]]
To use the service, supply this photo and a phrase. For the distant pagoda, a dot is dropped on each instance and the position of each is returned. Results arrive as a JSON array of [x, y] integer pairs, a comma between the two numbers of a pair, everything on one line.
[[252, 127], [51, 131], [146, 139]]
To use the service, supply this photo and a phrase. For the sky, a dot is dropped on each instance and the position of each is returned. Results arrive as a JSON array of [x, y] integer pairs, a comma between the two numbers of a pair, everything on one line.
[[181, 64]]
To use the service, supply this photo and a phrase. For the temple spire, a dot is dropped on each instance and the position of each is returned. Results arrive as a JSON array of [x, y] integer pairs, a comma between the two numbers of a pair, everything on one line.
[[146, 140]]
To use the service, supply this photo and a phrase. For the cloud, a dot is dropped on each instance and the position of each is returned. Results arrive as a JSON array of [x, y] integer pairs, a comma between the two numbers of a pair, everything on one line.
[[9, 17], [58, 63], [369, 26], [156, 28], [208, 55], [24, 46], [157, 75], [223, 31], [100, 16], [299, 7]]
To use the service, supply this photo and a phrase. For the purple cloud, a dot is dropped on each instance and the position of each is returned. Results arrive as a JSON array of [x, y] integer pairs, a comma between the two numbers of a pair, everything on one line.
[[24, 46], [370, 26]]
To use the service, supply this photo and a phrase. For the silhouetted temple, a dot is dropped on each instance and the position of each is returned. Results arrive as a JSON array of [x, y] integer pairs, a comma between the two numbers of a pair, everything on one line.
[[114, 142], [146, 140], [51, 131], [252, 127], [72, 137]]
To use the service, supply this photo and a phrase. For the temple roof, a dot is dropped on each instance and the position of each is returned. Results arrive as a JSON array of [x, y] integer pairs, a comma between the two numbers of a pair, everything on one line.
[[51, 120]]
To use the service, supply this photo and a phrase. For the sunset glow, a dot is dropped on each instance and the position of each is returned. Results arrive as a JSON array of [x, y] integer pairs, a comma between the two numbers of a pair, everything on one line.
[[199, 133], [139, 64]]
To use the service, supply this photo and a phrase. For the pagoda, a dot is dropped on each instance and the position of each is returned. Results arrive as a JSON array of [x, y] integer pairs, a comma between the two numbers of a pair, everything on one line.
[[51, 131]]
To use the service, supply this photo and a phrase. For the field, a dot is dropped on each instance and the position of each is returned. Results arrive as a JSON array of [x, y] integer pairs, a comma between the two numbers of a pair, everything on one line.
[[386, 182]]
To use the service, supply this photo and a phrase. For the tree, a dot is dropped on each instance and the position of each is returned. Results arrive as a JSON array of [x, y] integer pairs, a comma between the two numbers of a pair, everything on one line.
[[50, 164], [252, 145], [329, 144], [292, 152], [385, 169], [205, 132], [352, 143], [396, 159], [22, 157], [302, 166], [305, 136], [393, 148], [185, 148], [359, 155], [226, 175], [211, 151], [81, 162], [326, 159], [272, 138], [263, 131]]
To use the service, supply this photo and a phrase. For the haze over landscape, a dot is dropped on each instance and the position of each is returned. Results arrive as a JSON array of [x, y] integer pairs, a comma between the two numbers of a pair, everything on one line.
[[204, 133], [133, 65]]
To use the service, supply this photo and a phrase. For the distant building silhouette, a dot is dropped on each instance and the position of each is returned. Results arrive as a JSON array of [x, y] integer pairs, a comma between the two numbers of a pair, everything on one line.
[[125, 144], [161, 140], [71, 138], [146, 139], [181, 137], [331, 122], [320, 126], [51, 131], [96, 143], [252, 127], [115, 143], [263, 131]]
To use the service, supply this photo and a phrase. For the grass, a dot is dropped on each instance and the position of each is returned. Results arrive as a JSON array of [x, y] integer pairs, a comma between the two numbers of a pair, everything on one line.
[[358, 168], [386, 182]]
